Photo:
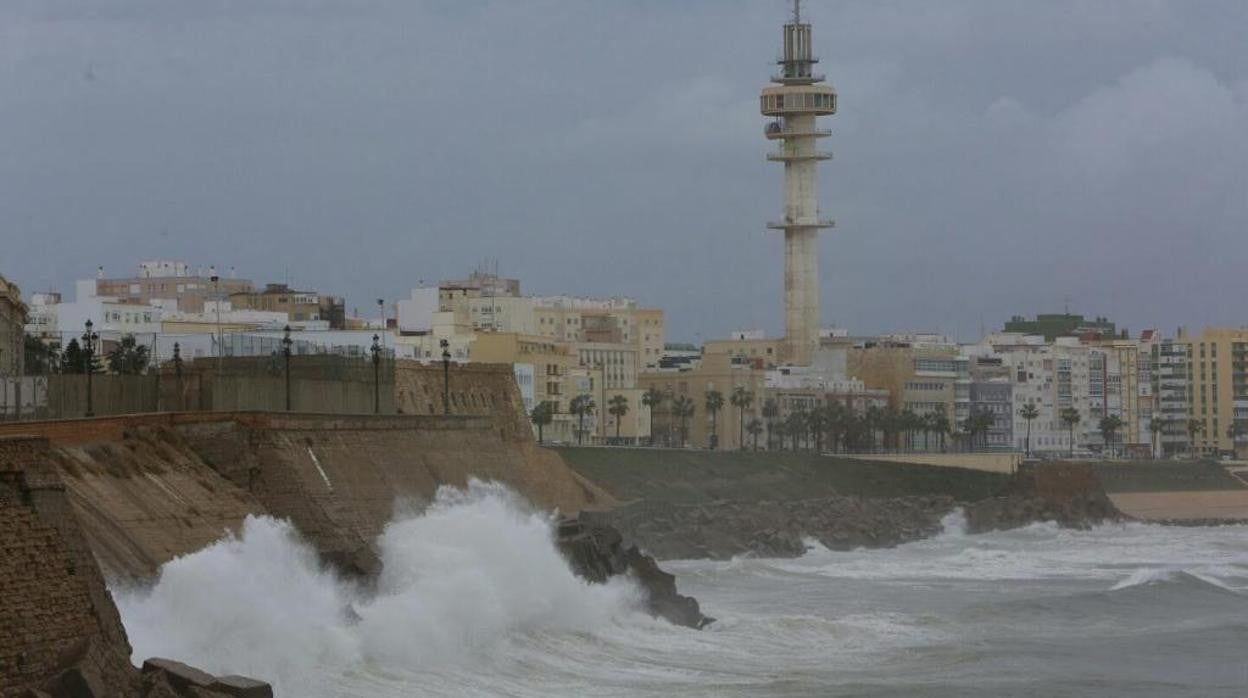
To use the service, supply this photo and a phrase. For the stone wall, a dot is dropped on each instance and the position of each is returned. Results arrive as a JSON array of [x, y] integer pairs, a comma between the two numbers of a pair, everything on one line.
[[151, 487], [55, 611]]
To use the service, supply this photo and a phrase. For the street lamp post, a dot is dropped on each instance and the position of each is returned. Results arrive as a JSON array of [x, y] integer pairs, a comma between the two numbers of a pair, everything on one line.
[[89, 340], [446, 375], [177, 372], [376, 350], [286, 342]]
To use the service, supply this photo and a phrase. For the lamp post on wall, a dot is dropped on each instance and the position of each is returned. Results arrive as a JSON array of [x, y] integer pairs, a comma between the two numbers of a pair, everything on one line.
[[376, 350], [381, 310], [89, 340], [286, 342], [177, 372], [446, 375]]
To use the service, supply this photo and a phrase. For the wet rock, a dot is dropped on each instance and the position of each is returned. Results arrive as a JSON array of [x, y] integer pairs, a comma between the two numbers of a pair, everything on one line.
[[595, 550], [166, 678]]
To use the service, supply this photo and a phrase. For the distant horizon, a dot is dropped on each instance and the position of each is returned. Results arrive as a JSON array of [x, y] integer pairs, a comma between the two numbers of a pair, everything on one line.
[[991, 158]]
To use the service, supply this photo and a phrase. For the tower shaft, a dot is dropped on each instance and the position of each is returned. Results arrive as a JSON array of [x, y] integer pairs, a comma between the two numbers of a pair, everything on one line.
[[796, 104]]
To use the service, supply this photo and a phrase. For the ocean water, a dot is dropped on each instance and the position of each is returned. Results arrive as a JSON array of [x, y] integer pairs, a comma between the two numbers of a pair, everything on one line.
[[475, 600]]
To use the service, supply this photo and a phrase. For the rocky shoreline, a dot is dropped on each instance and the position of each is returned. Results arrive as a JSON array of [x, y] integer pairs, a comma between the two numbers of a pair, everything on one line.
[[724, 529]]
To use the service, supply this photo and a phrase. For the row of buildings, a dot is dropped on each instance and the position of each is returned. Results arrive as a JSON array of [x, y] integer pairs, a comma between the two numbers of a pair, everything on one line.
[[1179, 395]]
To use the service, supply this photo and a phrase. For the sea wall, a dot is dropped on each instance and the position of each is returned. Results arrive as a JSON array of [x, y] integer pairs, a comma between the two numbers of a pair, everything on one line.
[[718, 504], [151, 487], [59, 623]]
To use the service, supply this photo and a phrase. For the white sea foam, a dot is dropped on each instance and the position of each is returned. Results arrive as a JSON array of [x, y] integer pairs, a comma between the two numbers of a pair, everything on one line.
[[475, 567]]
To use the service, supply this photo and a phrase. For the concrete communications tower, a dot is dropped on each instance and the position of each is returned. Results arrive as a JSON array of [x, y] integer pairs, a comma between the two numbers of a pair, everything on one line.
[[794, 104]]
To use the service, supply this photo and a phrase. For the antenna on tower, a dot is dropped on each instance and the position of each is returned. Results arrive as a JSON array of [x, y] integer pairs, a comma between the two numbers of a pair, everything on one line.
[[797, 11]]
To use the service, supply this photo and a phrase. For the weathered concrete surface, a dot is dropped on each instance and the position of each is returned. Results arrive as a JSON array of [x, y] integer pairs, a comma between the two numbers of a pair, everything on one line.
[[150, 488], [1215, 505]]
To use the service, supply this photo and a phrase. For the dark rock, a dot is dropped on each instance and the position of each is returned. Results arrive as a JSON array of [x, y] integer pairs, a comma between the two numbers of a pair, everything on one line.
[[166, 678], [180, 676], [595, 551], [242, 687]]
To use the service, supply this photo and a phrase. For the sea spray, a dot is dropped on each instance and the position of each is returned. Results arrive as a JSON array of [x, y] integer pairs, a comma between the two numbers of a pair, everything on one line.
[[477, 564], [476, 567]]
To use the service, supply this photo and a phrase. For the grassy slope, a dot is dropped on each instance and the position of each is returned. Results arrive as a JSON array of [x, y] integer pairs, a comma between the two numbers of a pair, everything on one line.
[[692, 477], [1165, 476]]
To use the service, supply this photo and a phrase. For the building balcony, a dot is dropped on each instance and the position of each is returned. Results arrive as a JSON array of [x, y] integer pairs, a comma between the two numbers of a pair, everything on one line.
[[803, 223], [797, 157], [775, 131]]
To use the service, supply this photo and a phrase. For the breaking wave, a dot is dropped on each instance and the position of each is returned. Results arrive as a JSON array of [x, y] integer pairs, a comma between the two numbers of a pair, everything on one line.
[[477, 567]]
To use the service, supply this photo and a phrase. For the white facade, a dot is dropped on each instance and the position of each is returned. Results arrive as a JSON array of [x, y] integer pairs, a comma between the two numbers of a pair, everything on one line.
[[416, 314]]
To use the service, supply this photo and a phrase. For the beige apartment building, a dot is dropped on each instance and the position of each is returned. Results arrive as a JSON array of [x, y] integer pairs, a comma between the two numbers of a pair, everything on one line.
[[176, 283], [760, 352], [13, 316], [552, 365], [715, 372], [1217, 370], [299, 306], [921, 379]]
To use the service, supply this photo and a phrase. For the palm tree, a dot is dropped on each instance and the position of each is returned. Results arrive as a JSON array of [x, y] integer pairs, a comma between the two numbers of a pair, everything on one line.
[[1070, 417], [653, 398], [941, 424], [1156, 427], [742, 399], [754, 428], [977, 426], [683, 408], [128, 358], [1233, 431], [817, 422], [1194, 427], [770, 411], [910, 423], [617, 407], [1109, 426], [714, 403], [797, 427], [581, 406], [542, 415], [1029, 413], [874, 419]]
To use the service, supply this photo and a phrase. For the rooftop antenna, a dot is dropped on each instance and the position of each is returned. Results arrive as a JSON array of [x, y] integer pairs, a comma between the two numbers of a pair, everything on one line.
[[797, 11]]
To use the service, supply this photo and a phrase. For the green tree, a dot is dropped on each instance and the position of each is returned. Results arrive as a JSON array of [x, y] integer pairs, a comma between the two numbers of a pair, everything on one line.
[[617, 407], [1194, 427], [874, 421], [714, 403], [1155, 428], [910, 423], [941, 424], [73, 359], [795, 425], [770, 412], [1109, 426], [128, 358], [683, 408], [754, 428], [977, 426], [1029, 414], [542, 415], [1071, 418], [39, 358], [653, 398], [581, 406], [742, 399], [834, 423], [817, 424]]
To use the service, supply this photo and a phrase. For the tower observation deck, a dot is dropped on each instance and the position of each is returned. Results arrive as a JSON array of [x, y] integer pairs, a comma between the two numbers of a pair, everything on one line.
[[794, 103]]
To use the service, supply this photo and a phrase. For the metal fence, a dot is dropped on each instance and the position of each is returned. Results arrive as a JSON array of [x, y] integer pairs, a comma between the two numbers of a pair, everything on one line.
[[190, 372]]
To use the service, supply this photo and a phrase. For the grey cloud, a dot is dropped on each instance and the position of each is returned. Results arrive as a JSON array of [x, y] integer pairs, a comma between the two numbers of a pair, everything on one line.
[[991, 157]]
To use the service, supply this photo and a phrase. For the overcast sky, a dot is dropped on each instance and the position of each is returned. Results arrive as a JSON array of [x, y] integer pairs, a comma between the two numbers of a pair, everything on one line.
[[991, 157]]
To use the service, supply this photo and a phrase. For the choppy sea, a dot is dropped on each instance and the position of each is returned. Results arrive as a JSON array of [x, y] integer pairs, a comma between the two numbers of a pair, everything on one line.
[[475, 600]]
